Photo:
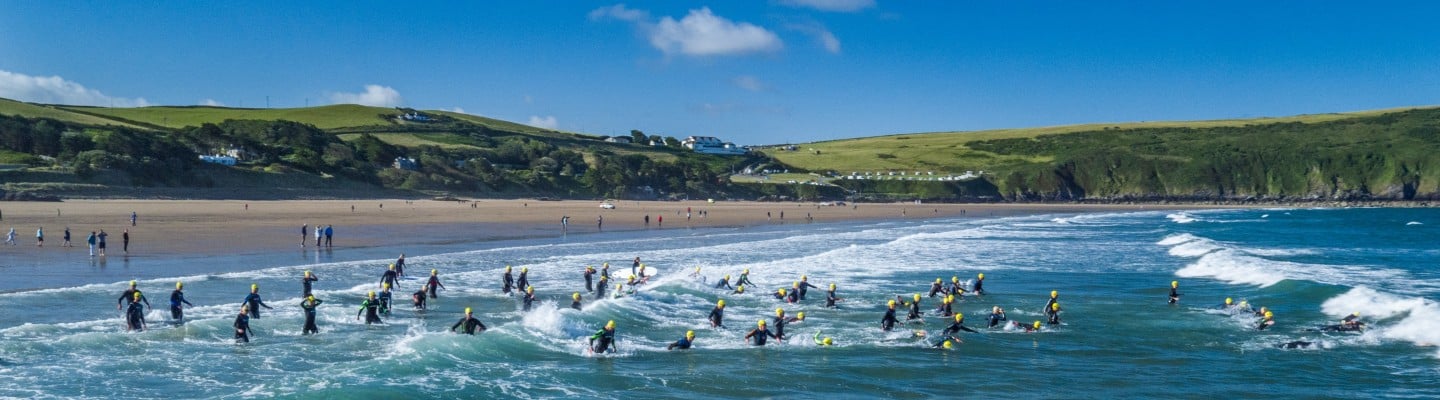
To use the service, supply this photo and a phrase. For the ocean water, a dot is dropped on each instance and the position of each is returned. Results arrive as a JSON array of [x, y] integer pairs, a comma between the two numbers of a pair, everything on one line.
[[1120, 339]]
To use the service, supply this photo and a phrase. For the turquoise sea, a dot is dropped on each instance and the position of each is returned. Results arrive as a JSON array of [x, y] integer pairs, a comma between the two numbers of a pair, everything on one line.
[[1119, 337]]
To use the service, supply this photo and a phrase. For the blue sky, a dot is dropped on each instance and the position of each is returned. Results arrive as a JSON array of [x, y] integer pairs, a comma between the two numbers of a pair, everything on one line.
[[753, 72]]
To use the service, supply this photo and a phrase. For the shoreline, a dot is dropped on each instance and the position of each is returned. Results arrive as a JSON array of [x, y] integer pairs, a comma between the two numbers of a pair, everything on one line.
[[191, 237]]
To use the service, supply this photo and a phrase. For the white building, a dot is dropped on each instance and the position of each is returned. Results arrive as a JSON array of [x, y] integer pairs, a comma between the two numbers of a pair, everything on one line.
[[218, 159], [712, 145]]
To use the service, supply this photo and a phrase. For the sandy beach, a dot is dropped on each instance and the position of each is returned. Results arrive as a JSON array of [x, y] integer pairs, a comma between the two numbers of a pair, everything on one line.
[[221, 227]]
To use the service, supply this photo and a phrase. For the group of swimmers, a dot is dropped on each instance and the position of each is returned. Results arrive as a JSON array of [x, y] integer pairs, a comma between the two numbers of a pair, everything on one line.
[[1265, 318]]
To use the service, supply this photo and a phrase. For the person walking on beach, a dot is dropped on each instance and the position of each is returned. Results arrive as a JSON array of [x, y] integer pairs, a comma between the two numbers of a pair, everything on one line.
[[305, 282], [133, 216], [329, 235], [253, 301], [100, 241], [177, 298], [125, 241], [469, 324], [304, 234], [434, 283], [10, 238], [309, 305], [91, 240], [40, 237], [600, 222], [242, 325], [67, 238], [319, 232]]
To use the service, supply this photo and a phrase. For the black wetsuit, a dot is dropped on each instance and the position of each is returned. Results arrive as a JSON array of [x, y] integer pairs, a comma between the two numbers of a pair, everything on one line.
[[1298, 344], [936, 288], [792, 296], [385, 298], [135, 317], [956, 328], [389, 277], [683, 344], [589, 274], [434, 285], [600, 289], [606, 338], [744, 280], [717, 317], [509, 282], [758, 336], [253, 300], [309, 308], [804, 287], [468, 325], [956, 289], [1049, 305], [400, 267], [528, 300], [945, 309], [979, 287], [128, 297], [724, 283], [995, 318], [176, 299], [242, 328], [1054, 317], [779, 324], [371, 309], [524, 281], [575, 304], [888, 321], [419, 299], [830, 299], [305, 282], [1174, 295], [941, 342], [914, 311]]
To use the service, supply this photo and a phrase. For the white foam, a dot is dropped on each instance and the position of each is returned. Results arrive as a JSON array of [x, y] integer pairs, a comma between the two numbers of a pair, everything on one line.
[[1411, 319], [1181, 218], [1414, 223]]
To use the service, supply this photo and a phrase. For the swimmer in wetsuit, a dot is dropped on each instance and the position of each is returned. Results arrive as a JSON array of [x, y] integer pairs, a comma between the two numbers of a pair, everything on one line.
[[758, 335], [937, 288], [434, 284], [385, 297], [744, 278], [717, 315], [1054, 314], [684, 343], [979, 285], [389, 277], [524, 279], [371, 308], [507, 280], [417, 299], [242, 325], [1267, 321], [589, 276], [135, 315], [253, 301], [528, 300], [305, 283], [724, 283], [946, 306], [309, 305], [830, 297], [604, 339], [177, 298], [739, 290], [956, 289], [1174, 292], [128, 296], [468, 324], [914, 309], [575, 304], [997, 314], [958, 326], [888, 321], [780, 322], [823, 342], [600, 288], [805, 286]]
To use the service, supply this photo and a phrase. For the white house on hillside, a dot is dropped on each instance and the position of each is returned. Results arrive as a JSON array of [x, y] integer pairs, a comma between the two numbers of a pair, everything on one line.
[[712, 145]]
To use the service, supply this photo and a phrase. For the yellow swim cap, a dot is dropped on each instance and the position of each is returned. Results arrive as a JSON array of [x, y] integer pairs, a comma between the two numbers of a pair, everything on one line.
[[832, 286], [954, 279], [828, 341], [761, 323], [1174, 284], [740, 289], [779, 312], [179, 285], [1229, 300], [1355, 314], [795, 285], [689, 334], [1055, 306], [800, 316], [1037, 324], [254, 287], [619, 286], [610, 325], [575, 296], [727, 277], [959, 317], [937, 280], [372, 293], [949, 298], [507, 268], [310, 297], [132, 283], [892, 304], [747, 270], [982, 276], [605, 265], [1267, 313], [782, 292], [803, 277], [530, 289], [467, 310], [720, 303], [392, 266], [1054, 293], [524, 269], [434, 271], [387, 286], [137, 295], [307, 273], [917, 297], [948, 345]]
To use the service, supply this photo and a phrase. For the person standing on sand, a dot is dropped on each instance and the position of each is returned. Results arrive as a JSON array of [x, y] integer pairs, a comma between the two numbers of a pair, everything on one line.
[[304, 234], [100, 241], [125, 241], [319, 232], [91, 241], [67, 238], [600, 222], [40, 237], [10, 238], [329, 235], [133, 217]]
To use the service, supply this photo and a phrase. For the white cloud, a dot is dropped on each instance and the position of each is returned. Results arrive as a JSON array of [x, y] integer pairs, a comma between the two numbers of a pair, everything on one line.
[[748, 82], [831, 5], [619, 12], [547, 122], [821, 35], [57, 90], [374, 95], [211, 103], [699, 33]]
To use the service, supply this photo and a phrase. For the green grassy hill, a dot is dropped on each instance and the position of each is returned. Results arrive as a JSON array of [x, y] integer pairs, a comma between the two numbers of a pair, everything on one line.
[[1382, 154], [16, 108]]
